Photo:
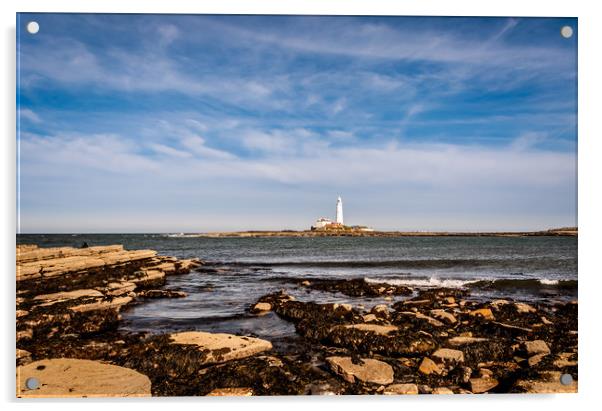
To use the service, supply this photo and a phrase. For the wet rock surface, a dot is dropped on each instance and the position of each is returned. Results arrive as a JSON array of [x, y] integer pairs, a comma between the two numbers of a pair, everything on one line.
[[430, 341], [65, 377]]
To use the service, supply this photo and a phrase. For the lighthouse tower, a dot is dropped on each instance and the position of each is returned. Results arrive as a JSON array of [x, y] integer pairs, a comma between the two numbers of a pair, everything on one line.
[[339, 219]]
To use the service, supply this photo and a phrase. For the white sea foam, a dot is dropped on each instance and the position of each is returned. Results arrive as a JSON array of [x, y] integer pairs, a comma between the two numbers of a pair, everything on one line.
[[423, 282], [546, 281]]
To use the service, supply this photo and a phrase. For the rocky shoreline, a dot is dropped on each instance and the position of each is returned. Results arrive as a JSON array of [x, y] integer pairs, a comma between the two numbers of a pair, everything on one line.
[[434, 341]]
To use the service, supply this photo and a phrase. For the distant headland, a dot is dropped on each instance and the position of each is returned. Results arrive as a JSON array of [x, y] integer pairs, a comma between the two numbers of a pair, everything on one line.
[[324, 227], [345, 231]]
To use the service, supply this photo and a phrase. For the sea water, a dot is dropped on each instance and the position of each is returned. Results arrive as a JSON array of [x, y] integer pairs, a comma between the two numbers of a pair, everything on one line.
[[240, 270]]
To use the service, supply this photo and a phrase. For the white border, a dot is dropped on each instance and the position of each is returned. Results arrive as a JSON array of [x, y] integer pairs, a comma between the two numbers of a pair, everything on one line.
[[590, 205]]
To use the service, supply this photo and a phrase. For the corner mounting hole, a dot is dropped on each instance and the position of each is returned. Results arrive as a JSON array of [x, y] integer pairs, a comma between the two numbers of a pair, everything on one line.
[[33, 27], [566, 379], [566, 32], [32, 383]]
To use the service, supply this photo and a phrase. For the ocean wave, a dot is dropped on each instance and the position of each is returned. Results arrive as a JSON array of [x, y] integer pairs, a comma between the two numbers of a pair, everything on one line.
[[497, 284], [423, 282], [509, 283]]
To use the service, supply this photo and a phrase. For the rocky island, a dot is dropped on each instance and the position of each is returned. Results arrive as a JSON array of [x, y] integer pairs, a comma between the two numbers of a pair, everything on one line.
[[354, 232], [427, 341]]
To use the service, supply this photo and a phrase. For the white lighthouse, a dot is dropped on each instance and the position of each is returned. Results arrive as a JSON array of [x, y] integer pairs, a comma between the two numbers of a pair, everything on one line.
[[339, 219]]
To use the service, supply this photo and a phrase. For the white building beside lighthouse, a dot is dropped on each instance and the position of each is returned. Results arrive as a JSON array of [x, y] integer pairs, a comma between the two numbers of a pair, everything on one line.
[[338, 225], [327, 224], [339, 218]]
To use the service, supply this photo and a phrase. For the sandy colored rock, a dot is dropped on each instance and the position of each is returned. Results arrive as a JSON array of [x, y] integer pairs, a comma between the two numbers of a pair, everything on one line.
[[56, 261], [480, 385], [536, 359], [460, 341], [401, 389], [21, 313], [149, 277], [64, 377], [442, 391], [50, 299], [261, 307], [24, 335], [381, 310], [523, 308], [375, 328], [420, 316], [548, 383], [342, 307], [536, 347], [222, 347], [564, 360], [428, 367], [416, 302], [448, 355], [34, 253], [496, 304], [372, 371], [482, 312], [231, 392], [485, 372], [119, 288], [369, 318], [444, 316], [114, 303], [23, 357]]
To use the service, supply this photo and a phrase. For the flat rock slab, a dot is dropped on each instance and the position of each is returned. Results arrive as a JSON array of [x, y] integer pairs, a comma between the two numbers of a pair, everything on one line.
[[50, 299], [536, 347], [428, 367], [401, 389], [448, 355], [482, 313], [65, 377], [460, 341], [222, 347], [231, 392], [444, 316], [372, 371], [375, 328], [481, 385], [114, 303], [420, 316], [549, 383]]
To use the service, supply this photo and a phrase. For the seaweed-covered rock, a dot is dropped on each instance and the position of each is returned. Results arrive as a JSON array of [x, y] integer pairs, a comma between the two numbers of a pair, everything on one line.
[[358, 287]]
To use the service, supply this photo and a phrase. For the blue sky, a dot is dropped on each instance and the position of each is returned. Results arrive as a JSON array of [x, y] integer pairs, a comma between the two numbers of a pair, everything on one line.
[[169, 123]]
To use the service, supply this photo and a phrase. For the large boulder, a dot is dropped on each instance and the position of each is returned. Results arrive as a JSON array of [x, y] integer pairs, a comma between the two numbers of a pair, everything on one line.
[[480, 385], [370, 370], [221, 347], [536, 347], [547, 383], [401, 389], [374, 328], [65, 377]]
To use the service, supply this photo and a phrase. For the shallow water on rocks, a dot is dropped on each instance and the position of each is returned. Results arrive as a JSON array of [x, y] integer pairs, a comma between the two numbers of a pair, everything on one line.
[[240, 270]]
